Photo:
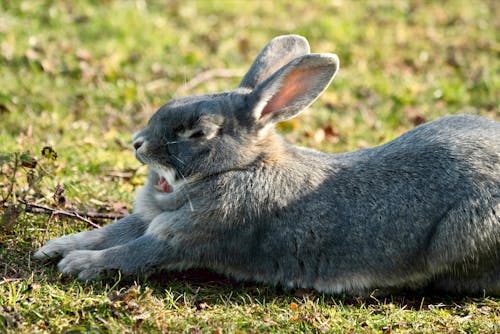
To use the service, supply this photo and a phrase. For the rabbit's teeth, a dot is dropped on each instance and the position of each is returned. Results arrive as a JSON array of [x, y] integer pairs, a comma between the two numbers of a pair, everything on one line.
[[163, 186]]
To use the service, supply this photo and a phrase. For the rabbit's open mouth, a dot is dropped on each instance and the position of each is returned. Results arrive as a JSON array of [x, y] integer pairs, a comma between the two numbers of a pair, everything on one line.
[[163, 185], [167, 180]]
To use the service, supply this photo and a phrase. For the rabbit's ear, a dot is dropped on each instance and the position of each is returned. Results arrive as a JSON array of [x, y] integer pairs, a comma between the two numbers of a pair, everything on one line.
[[279, 51], [293, 88]]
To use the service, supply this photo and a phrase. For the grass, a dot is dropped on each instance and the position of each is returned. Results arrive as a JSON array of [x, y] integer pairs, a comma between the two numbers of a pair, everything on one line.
[[83, 76]]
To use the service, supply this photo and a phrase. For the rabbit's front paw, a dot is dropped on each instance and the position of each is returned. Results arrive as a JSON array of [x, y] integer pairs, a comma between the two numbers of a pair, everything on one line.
[[56, 248], [87, 264]]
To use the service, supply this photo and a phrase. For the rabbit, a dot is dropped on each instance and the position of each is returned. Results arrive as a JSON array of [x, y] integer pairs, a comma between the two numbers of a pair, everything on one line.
[[226, 193]]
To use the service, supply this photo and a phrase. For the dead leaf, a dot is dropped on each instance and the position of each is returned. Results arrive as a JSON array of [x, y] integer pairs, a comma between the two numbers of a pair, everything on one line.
[[32, 55], [330, 131], [414, 116], [29, 162], [138, 323], [120, 207], [157, 69], [201, 306], [83, 55], [269, 321], [4, 108], [7, 51], [47, 66], [244, 46], [319, 135], [387, 329], [58, 196], [126, 296]]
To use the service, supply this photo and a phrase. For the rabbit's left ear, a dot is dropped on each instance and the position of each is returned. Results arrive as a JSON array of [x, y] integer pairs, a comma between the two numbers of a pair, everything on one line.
[[293, 87], [279, 51]]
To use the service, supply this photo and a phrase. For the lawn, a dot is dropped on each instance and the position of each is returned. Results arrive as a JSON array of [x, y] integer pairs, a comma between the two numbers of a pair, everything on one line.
[[78, 78]]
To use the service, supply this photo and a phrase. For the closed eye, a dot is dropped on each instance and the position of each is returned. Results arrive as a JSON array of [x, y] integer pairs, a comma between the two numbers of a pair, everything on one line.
[[197, 134], [192, 133]]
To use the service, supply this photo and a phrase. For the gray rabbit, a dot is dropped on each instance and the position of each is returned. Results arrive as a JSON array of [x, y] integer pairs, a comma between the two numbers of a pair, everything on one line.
[[226, 193]]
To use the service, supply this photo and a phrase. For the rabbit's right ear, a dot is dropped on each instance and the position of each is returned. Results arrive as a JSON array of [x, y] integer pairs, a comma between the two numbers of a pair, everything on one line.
[[292, 88], [278, 52]]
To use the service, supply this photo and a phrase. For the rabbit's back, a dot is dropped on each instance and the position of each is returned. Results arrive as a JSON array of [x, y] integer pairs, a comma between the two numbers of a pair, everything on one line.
[[396, 215], [423, 204]]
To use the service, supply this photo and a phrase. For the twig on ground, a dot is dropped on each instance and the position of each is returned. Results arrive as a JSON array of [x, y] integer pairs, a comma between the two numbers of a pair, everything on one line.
[[206, 76], [8, 280], [197, 80], [37, 208]]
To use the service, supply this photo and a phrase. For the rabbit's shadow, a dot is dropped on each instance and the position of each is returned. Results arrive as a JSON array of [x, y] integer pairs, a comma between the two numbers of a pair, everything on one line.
[[209, 288], [202, 290], [203, 287]]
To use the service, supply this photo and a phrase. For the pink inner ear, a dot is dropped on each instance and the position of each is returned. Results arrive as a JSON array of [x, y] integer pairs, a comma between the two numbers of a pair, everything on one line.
[[295, 84]]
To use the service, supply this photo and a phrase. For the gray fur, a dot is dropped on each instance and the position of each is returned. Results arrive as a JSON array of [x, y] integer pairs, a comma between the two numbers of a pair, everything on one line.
[[420, 211]]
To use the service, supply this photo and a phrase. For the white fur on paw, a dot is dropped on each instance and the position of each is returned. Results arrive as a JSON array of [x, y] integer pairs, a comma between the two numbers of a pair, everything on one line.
[[56, 247], [86, 264]]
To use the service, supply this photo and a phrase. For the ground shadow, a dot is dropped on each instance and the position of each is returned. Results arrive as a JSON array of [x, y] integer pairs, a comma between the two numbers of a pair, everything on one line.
[[212, 285], [204, 286]]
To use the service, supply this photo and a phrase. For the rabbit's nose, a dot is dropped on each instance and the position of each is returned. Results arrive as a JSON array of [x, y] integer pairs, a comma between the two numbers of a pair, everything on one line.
[[138, 143]]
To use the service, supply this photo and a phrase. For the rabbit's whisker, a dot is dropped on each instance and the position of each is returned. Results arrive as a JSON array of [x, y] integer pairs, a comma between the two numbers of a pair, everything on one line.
[[187, 193], [178, 159]]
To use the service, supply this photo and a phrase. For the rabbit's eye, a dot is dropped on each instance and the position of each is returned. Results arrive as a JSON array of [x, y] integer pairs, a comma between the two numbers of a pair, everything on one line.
[[191, 134], [197, 134]]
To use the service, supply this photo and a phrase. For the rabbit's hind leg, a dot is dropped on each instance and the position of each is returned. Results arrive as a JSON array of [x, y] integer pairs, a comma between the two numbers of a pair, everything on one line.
[[480, 279], [489, 284]]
